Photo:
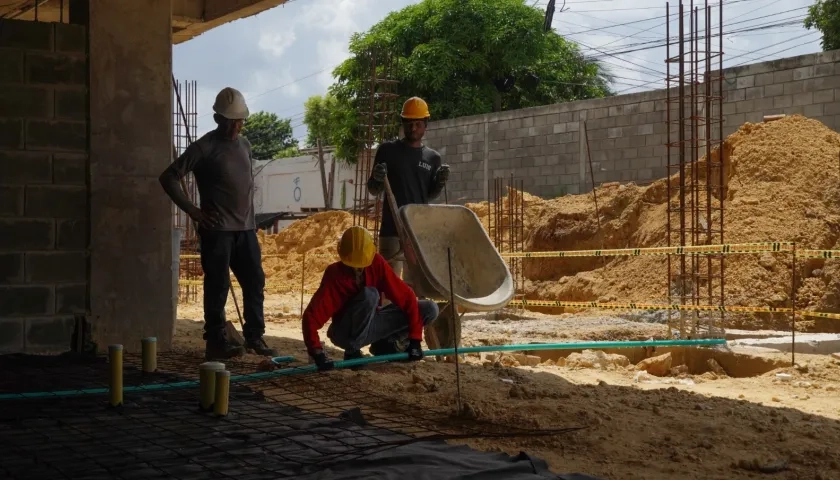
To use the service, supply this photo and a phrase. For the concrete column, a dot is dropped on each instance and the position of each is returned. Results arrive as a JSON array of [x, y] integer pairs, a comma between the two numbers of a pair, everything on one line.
[[131, 144]]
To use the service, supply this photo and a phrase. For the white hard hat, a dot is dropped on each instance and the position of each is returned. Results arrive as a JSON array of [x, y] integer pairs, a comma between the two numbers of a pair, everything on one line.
[[231, 104]]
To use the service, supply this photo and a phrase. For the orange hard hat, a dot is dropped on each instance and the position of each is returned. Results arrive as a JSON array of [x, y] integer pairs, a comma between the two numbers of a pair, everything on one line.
[[415, 108]]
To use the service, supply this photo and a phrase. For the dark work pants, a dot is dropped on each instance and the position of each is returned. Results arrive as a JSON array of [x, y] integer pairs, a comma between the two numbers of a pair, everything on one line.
[[240, 252], [360, 323]]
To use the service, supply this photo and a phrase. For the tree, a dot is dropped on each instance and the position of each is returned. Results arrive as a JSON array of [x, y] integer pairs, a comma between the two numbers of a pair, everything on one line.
[[270, 136], [468, 57], [318, 117], [825, 17]]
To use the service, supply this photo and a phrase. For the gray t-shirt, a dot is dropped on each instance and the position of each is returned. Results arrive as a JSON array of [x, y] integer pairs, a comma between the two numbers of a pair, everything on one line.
[[224, 174]]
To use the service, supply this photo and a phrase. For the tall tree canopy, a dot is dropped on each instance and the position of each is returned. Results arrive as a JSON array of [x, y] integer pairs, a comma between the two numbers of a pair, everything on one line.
[[824, 15], [270, 136], [321, 117], [467, 57]]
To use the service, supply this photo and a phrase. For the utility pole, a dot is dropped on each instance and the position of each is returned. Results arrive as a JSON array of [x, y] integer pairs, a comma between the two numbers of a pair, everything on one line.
[[323, 175]]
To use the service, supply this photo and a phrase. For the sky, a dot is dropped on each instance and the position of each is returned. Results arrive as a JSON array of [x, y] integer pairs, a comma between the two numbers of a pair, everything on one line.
[[283, 56]]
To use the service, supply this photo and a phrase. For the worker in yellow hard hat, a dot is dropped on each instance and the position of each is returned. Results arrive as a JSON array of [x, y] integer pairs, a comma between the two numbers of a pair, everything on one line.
[[414, 171], [350, 294], [221, 161]]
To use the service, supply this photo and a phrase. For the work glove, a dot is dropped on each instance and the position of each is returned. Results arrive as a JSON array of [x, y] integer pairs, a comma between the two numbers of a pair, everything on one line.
[[415, 352], [380, 171], [442, 174], [323, 362]]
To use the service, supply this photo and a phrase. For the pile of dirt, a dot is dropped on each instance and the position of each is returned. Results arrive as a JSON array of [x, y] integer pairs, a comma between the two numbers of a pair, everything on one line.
[[782, 185], [314, 238]]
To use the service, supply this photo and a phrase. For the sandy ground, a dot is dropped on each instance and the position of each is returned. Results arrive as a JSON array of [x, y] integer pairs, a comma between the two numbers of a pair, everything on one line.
[[716, 428]]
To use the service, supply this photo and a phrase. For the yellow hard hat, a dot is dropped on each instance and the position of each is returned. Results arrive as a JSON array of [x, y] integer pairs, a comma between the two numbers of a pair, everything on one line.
[[415, 108], [356, 247]]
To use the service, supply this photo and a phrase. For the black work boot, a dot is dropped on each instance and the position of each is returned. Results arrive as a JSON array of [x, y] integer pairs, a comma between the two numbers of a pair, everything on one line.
[[219, 348], [388, 346], [352, 355], [258, 345]]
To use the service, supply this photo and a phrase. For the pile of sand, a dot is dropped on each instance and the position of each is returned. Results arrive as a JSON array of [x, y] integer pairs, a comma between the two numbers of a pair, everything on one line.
[[782, 186], [315, 237]]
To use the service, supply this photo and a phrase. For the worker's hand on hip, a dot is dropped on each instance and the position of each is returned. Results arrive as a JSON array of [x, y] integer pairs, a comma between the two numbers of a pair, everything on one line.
[[206, 220], [380, 171], [323, 362], [415, 352], [442, 174]]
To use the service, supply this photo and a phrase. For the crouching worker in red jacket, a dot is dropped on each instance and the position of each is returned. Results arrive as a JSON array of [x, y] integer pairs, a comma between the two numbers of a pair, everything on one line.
[[350, 294]]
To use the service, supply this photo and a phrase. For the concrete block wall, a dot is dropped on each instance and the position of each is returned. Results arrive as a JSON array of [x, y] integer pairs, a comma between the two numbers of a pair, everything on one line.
[[43, 184], [627, 134]]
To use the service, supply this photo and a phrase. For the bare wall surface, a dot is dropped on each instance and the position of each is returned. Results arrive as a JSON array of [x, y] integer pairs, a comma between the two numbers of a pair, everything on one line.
[[627, 133], [43, 185], [130, 145]]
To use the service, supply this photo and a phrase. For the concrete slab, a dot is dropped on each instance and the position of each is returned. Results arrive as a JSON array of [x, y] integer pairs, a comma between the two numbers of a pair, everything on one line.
[[732, 334], [813, 343]]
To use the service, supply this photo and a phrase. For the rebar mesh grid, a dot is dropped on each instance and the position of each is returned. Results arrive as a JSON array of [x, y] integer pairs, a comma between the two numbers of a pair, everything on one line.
[[277, 427]]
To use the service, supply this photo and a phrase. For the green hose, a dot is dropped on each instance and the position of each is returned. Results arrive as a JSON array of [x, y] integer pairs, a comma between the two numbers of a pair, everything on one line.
[[341, 364]]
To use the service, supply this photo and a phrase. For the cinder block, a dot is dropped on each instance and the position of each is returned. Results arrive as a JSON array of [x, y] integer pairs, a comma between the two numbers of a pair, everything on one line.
[[25, 233], [815, 110], [745, 106], [49, 334], [12, 61], [745, 81], [11, 268], [762, 79], [56, 201], [26, 35], [736, 95], [11, 335], [71, 298], [774, 90], [801, 99], [56, 267], [56, 135], [783, 101], [824, 69], [55, 69], [754, 92], [783, 76], [11, 200], [71, 104], [832, 108], [803, 73], [792, 88], [824, 96], [26, 101], [70, 38], [72, 234], [26, 300], [11, 133], [18, 167]]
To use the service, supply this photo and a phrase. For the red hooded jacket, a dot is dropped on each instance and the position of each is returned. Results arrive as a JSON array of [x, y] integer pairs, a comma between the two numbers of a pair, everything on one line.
[[338, 285]]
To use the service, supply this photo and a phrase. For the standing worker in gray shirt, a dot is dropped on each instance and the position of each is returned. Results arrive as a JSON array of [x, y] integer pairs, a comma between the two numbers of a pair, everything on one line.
[[221, 163], [414, 172]]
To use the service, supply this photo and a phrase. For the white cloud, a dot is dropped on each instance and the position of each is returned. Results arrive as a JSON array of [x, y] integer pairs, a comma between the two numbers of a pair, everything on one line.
[[275, 43]]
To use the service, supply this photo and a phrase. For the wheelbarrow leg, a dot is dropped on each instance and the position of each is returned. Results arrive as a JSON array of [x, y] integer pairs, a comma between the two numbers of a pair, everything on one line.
[[440, 333]]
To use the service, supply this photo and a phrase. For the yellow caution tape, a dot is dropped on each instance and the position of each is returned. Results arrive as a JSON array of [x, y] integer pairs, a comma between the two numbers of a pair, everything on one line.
[[818, 253], [647, 306], [724, 249], [834, 316]]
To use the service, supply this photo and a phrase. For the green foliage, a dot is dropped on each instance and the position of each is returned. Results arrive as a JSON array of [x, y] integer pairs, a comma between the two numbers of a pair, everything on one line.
[[460, 56], [270, 136], [825, 17], [321, 114]]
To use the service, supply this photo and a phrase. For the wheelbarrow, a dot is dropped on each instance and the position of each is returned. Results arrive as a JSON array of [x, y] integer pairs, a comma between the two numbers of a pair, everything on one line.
[[481, 280]]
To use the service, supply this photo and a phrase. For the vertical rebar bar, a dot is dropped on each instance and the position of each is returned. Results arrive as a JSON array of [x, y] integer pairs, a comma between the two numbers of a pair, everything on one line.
[[302, 281], [681, 136], [453, 317], [668, 146], [793, 307]]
